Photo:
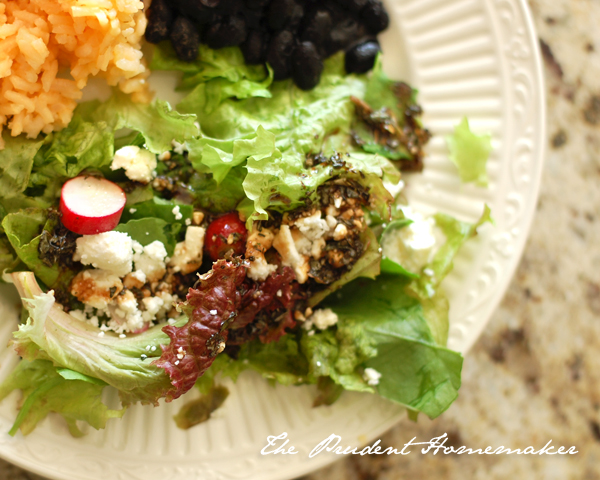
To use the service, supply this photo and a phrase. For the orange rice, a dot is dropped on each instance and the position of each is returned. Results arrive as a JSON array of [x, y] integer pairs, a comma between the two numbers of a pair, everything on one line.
[[39, 39]]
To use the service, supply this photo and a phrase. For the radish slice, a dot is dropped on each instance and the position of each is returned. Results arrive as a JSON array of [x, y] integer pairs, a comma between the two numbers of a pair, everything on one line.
[[91, 205]]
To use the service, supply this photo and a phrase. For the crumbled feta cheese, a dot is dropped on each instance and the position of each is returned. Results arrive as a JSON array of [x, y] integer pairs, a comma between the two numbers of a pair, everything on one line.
[[337, 202], [156, 250], [259, 269], [137, 247], [307, 247], [188, 254], [177, 212], [419, 234], [284, 244], [331, 222], [150, 260], [168, 303], [303, 244], [139, 164], [331, 211], [132, 210], [414, 245], [394, 189], [139, 275], [95, 287], [322, 318], [258, 242], [127, 304], [213, 312], [127, 317], [122, 335], [188, 221], [313, 227], [340, 232], [371, 376], [94, 321], [178, 147], [111, 251], [153, 305]]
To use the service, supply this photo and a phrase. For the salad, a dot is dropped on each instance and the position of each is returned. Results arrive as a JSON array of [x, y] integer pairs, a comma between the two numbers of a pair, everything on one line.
[[255, 226]]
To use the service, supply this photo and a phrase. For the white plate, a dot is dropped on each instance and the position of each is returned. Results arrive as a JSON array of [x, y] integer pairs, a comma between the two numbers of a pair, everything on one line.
[[468, 57]]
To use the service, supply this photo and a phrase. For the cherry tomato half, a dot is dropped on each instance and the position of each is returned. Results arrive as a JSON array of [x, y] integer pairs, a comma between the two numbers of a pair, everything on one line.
[[225, 233]]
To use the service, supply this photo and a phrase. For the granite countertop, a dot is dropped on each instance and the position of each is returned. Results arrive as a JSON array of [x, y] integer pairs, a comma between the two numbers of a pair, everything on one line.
[[537, 361]]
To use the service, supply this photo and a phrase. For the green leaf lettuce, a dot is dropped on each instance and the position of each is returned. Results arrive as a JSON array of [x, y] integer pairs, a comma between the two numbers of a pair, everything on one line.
[[415, 370], [52, 334], [47, 389], [470, 153]]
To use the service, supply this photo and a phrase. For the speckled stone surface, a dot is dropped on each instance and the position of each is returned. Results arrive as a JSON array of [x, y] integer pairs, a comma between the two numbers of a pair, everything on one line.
[[534, 375]]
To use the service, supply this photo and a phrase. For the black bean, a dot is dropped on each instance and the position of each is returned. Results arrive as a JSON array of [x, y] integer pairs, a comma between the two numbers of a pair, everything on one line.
[[160, 18], [229, 7], [229, 32], [257, 4], [185, 39], [160, 6], [284, 14], [317, 26], [344, 33], [196, 10], [255, 47], [336, 11], [307, 66], [361, 57], [254, 18], [374, 16], [354, 6], [279, 53]]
